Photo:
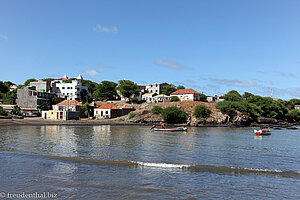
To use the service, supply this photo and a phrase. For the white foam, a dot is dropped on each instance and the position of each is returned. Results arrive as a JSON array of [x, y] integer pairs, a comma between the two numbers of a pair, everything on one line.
[[161, 165], [260, 170]]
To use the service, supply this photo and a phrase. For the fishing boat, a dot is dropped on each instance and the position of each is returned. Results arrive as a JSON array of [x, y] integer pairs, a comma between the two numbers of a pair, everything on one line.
[[169, 129], [264, 131]]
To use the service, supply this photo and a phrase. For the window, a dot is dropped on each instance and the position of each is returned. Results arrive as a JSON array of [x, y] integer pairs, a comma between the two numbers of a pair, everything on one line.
[[106, 112], [96, 112], [63, 88]]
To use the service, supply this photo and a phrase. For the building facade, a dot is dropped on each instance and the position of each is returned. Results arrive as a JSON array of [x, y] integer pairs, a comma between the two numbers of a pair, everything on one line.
[[29, 98], [187, 95]]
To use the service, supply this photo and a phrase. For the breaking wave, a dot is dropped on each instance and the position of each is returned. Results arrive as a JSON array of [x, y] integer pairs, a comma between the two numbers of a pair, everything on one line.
[[169, 166]]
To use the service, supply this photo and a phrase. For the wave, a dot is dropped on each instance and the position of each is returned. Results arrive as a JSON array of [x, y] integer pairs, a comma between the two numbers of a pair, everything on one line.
[[193, 168]]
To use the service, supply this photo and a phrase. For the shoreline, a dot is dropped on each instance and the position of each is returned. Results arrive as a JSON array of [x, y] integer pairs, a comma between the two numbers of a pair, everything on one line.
[[86, 122]]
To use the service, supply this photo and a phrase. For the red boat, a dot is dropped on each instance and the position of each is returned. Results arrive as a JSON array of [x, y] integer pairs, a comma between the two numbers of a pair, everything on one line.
[[264, 131]]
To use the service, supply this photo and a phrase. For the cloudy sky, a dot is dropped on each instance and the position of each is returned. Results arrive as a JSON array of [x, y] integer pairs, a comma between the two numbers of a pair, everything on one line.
[[211, 46]]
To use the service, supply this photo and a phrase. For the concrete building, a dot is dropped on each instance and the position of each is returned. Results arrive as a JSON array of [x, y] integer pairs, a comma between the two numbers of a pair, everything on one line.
[[60, 115], [215, 99], [161, 98], [68, 89], [40, 85], [186, 95], [68, 105], [149, 97], [29, 98], [153, 87], [65, 110], [108, 111]]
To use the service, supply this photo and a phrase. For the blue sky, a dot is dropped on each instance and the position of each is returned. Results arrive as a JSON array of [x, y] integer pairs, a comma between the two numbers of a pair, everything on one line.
[[211, 46]]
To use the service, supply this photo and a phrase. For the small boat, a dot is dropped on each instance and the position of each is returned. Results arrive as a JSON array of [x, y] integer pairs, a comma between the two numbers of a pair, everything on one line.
[[264, 131], [170, 129]]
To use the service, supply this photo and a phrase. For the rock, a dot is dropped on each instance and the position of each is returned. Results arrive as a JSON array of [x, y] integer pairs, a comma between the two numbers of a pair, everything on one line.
[[265, 120]]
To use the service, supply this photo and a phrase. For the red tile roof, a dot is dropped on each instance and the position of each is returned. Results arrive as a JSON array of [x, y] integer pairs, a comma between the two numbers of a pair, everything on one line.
[[108, 106], [185, 91], [69, 102]]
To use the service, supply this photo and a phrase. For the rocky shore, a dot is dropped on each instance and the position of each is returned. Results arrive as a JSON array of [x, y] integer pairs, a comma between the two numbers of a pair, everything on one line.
[[143, 117]]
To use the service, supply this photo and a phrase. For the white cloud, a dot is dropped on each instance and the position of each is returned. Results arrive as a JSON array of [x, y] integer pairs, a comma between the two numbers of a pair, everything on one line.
[[91, 73], [239, 83], [4, 37], [171, 64], [101, 29]]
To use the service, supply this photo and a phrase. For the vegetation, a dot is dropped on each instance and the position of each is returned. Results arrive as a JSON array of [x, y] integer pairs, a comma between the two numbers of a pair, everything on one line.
[[168, 89], [29, 80], [294, 116], [203, 97], [174, 99], [85, 109], [174, 115], [254, 105], [7, 96], [201, 111], [16, 110], [3, 112], [127, 88], [157, 110], [105, 91], [233, 96], [131, 115], [180, 87]]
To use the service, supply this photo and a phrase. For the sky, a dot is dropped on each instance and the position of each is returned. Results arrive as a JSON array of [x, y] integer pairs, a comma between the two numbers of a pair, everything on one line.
[[210, 46]]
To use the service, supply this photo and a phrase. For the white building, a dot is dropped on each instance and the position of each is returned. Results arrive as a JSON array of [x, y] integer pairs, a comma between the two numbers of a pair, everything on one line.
[[187, 95], [153, 87], [148, 97], [68, 89], [161, 98]]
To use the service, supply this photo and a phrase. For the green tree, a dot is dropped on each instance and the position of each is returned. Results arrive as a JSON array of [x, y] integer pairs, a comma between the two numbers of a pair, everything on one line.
[[45, 105], [84, 96], [3, 112], [291, 103], [228, 107], [85, 109], [201, 111], [168, 89], [54, 100], [203, 97], [3, 87], [29, 80], [294, 116], [16, 110], [180, 87], [90, 85], [127, 88], [174, 115], [232, 96], [10, 97], [105, 91], [157, 110], [174, 99], [246, 95]]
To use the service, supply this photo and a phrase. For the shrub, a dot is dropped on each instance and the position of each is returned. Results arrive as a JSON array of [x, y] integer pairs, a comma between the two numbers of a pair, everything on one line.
[[2, 112], [131, 115], [174, 115], [294, 116], [232, 96], [134, 100], [201, 111], [174, 98], [16, 110], [157, 110]]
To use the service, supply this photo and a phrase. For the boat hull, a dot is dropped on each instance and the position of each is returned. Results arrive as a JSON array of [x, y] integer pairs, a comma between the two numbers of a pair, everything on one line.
[[170, 129]]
